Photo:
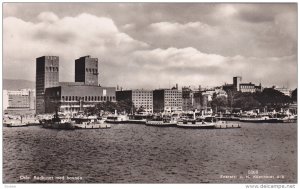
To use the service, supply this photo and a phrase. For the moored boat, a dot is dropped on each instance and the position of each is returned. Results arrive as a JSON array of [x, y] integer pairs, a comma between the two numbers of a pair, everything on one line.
[[161, 123], [116, 119], [57, 123], [226, 125], [196, 124], [90, 122]]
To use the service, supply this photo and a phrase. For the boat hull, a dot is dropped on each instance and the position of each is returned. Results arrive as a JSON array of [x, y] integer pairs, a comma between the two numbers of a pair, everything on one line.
[[92, 126], [60, 126], [160, 124], [196, 125]]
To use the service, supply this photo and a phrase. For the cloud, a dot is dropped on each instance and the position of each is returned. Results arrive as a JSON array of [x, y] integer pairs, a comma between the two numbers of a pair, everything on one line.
[[187, 52], [67, 37], [190, 66], [47, 17]]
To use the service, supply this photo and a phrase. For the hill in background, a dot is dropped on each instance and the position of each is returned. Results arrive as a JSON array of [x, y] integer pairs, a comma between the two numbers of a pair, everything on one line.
[[16, 84]]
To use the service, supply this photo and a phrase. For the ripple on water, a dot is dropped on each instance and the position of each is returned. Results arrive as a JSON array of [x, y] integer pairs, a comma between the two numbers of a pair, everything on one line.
[[140, 154]]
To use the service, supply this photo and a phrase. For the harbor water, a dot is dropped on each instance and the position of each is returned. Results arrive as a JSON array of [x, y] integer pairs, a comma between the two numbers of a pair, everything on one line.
[[131, 153]]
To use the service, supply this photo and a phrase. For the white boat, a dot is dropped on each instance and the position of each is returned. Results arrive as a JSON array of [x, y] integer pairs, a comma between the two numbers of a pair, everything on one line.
[[194, 124], [116, 119], [161, 123], [226, 125], [89, 123]]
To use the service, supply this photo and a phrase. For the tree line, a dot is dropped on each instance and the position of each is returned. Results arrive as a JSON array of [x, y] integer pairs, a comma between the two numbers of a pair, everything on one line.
[[269, 99]]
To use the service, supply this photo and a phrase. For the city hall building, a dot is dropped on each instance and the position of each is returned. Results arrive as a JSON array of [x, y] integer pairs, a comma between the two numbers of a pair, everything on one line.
[[53, 95], [76, 97]]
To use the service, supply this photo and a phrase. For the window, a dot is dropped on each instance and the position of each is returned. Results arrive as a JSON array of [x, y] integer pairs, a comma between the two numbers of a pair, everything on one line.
[[101, 98]]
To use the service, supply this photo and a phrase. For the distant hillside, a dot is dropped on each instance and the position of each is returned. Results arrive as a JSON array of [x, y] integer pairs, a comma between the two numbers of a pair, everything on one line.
[[12, 84]]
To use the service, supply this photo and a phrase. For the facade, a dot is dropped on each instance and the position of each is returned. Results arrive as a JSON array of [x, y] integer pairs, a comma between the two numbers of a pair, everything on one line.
[[86, 70], [23, 99], [187, 99], [247, 87], [74, 98], [250, 88], [47, 75], [167, 100], [236, 82], [140, 98]]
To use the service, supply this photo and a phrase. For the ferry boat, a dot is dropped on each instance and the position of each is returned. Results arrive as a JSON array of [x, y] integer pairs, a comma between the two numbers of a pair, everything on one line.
[[19, 121], [196, 124], [162, 121], [57, 123], [226, 125], [138, 118], [256, 119], [117, 119], [90, 122]]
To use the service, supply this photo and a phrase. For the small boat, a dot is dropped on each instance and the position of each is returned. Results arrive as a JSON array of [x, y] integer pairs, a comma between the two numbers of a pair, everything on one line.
[[14, 124]]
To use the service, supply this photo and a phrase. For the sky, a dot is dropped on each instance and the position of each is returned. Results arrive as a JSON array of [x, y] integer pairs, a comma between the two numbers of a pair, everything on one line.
[[156, 45]]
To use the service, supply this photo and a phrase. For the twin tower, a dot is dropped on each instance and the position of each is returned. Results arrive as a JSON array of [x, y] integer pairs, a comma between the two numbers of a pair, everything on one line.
[[47, 75]]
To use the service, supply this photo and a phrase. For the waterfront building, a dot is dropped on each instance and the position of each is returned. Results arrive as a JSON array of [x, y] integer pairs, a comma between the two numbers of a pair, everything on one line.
[[167, 100], [187, 99], [47, 75], [86, 70], [74, 97], [19, 101], [141, 98], [53, 95]]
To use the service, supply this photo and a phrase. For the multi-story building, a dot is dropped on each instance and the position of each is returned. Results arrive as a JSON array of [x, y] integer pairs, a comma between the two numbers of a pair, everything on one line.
[[187, 99], [247, 87], [70, 96], [86, 70], [47, 75], [141, 98], [167, 100], [23, 99], [74, 97], [243, 87], [236, 82]]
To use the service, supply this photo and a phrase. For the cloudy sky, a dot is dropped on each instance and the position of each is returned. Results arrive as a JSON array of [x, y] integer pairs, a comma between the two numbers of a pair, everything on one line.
[[150, 45]]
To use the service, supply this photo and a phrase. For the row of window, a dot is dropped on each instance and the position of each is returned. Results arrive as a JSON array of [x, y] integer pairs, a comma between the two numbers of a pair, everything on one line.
[[52, 69], [91, 70], [247, 87], [88, 98]]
